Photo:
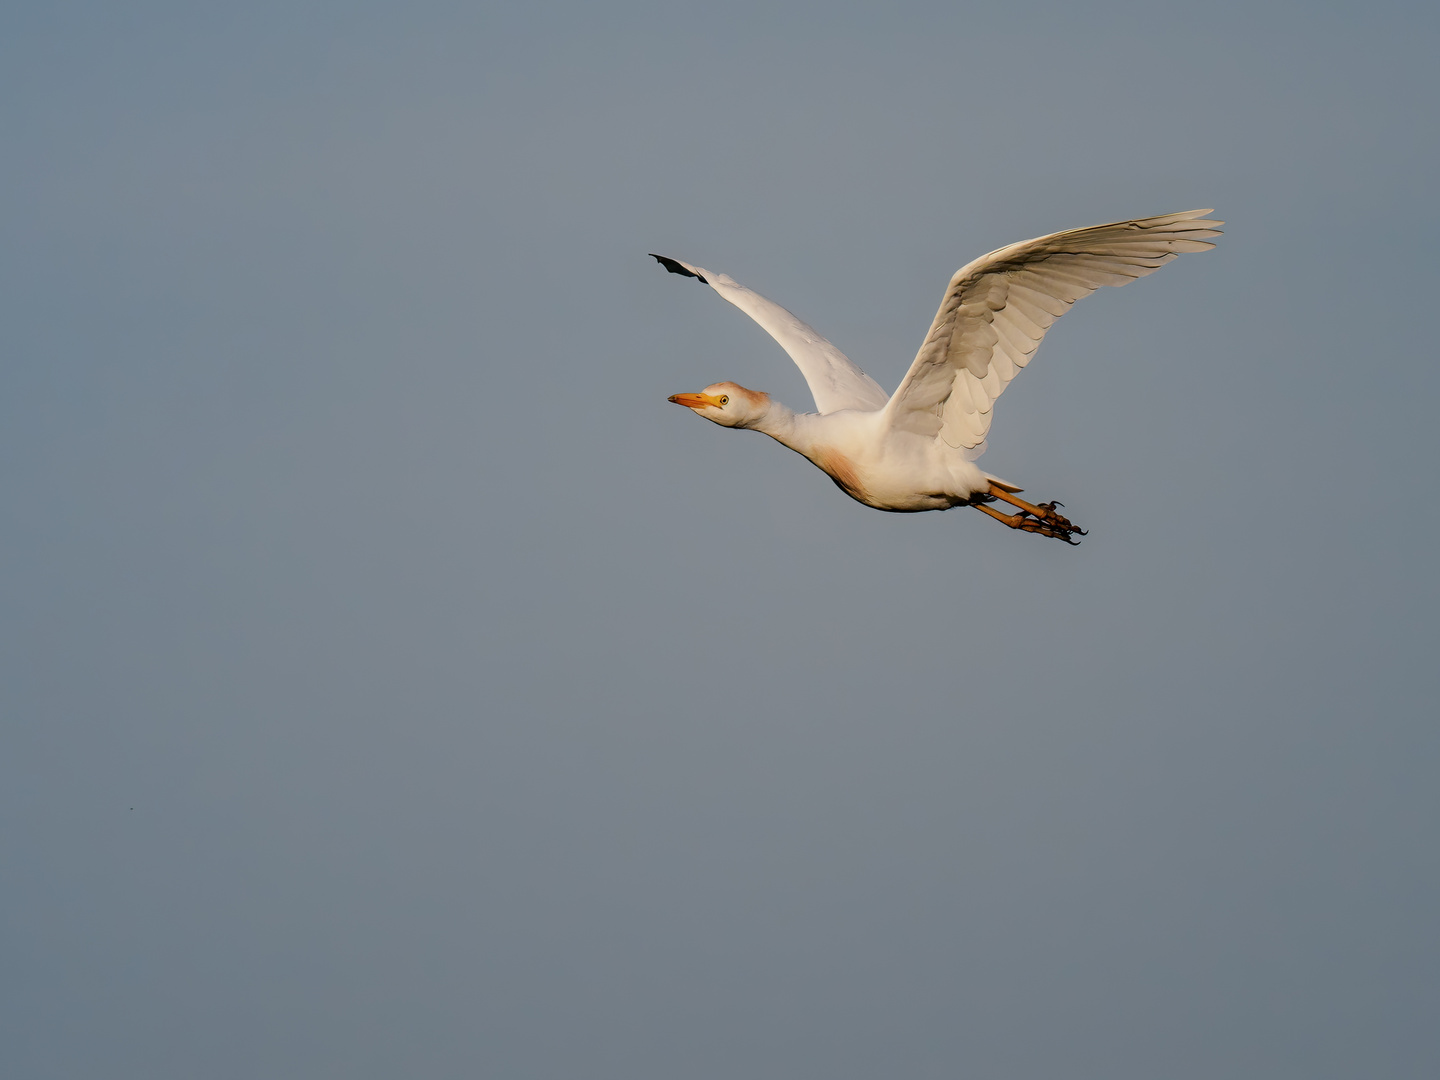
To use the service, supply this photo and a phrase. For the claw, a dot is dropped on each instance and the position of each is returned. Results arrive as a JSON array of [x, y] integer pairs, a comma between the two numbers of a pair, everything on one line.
[[1042, 518], [1046, 528], [1050, 516]]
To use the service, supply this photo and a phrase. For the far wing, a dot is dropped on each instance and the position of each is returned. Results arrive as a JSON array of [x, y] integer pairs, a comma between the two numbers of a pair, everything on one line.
[[997, 309], [836, 382]]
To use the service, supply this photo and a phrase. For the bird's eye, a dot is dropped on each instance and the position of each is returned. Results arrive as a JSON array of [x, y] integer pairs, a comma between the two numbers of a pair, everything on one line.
[[724, 399]]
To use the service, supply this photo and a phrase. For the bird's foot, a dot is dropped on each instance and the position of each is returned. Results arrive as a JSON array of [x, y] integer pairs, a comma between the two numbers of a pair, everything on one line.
[[1054, 518], [1060, 530], [1044, 519]]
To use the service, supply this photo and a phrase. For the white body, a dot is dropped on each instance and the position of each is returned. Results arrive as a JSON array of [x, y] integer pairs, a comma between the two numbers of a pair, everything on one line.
[[870, 460], [915, 450]]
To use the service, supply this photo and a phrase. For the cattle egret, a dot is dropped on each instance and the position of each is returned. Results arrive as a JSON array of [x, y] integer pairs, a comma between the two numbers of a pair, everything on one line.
[[915, 450]]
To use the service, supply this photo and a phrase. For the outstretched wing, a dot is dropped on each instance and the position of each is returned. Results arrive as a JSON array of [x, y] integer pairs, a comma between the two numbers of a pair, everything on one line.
[[997, 309], [836, 382]]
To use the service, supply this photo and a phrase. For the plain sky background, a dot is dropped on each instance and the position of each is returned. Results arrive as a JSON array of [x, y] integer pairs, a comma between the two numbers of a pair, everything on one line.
[[395, 684]]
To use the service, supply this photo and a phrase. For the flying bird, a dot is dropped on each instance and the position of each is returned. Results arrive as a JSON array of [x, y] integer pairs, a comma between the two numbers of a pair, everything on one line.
[[915, 450]]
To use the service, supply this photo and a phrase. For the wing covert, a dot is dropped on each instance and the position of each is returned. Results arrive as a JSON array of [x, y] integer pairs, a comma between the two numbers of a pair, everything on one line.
[[836, 382], [996, 311]]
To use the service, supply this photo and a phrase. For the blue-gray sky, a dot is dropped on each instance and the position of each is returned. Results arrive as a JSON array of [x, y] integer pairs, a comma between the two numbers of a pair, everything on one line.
[[393, 683]]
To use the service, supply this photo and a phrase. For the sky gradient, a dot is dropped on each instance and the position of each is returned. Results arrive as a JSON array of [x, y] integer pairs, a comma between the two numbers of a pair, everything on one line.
[[393, 683]]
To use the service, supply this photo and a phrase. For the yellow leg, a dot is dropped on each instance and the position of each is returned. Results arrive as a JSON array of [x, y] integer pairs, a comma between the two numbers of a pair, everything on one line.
[[1042, 519], [1000, 493]]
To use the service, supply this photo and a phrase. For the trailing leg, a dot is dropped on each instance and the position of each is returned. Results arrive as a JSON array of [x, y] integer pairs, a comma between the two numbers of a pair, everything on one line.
[[1042, 519]]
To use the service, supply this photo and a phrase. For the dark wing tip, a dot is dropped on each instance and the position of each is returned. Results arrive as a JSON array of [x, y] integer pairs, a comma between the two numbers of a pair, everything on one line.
[[676, 268]]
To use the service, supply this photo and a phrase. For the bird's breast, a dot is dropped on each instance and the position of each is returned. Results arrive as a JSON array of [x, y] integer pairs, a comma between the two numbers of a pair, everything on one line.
[[898, 481], [840, 468]]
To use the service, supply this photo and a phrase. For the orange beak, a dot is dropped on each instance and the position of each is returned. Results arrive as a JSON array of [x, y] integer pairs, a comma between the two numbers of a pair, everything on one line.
[[695, 401]]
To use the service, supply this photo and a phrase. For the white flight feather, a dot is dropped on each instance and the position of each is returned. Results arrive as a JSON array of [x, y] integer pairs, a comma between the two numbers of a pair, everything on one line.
[[995, 312], [836, 382], [997, 309]]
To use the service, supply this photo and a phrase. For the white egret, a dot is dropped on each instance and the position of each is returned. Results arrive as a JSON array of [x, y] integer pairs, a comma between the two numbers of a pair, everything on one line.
[[915, 450]]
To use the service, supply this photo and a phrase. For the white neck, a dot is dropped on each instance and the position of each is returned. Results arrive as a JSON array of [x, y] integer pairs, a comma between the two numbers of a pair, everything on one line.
[[785, 425]]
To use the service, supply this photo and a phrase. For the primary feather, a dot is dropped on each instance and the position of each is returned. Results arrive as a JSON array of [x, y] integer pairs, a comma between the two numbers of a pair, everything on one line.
[[996, 311], [836, 382]]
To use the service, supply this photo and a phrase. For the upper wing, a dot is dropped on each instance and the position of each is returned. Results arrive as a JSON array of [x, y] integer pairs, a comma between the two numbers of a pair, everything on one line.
[[998, 308], [836, 382]]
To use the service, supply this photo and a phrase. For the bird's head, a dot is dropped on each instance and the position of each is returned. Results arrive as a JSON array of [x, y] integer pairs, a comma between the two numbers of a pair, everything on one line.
[[727, 404]]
